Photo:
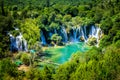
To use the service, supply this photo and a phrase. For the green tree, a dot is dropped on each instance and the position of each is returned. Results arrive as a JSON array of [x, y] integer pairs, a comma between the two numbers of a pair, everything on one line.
[[54, 25], [26, 58], [47, 3], [47, 72], [34, 74], [6, 24], [7, 68], [2, 7], [30, 31], [56, 38]]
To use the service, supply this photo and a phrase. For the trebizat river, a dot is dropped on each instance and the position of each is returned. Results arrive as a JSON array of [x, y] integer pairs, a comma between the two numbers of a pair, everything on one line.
[[63, 54]]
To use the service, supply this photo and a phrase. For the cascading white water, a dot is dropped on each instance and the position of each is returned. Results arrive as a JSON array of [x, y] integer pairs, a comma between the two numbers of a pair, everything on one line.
[[64, 33], [82, 33], [18, 43], [25, 45], [13, 42], [98, 35], [95, 32], [85, 33], [92, 31], [74, 34], [79, 33], [43, 40]]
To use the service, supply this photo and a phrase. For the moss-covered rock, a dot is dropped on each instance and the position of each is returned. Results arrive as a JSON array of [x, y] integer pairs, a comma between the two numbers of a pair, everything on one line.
[[92, 41]]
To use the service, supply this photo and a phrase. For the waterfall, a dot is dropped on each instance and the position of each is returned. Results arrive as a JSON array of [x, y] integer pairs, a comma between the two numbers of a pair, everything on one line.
[[79, 33], [43, 40], [18, 43], [76, 34], [98, 35], [25, 45], [64, 33], [92, 31], [13, 43], [95, 32], [84, 27], [83, 33]]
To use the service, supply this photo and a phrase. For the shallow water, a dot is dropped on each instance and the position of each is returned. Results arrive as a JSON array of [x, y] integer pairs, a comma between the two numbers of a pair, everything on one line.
[[63, 54]]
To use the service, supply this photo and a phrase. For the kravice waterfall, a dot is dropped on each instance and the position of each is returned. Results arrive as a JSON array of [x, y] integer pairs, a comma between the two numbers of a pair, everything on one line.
[[73, 39], [75, 34], [18, 43]]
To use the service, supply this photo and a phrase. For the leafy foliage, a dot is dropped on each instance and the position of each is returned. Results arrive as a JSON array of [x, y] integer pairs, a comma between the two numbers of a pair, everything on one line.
[[7, 68], [5, 26], [30, 31], [30, 16], [25, 58], [56, 38]]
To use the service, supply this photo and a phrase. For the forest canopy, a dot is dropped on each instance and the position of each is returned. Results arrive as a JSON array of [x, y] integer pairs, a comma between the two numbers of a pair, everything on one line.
[[32, 16]]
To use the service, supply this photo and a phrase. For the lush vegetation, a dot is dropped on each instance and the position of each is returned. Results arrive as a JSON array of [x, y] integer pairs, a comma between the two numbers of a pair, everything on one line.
[[31, 16]]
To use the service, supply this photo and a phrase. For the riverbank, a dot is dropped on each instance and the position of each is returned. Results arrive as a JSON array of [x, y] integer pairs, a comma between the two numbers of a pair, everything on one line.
[[61, 54], [45, 48]]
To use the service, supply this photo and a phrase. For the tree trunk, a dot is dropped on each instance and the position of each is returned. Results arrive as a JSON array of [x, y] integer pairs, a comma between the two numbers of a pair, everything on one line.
[[2, 7], [47, 3]]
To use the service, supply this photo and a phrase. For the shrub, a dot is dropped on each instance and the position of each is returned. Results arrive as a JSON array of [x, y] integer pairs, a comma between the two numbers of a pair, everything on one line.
[[25, 58]]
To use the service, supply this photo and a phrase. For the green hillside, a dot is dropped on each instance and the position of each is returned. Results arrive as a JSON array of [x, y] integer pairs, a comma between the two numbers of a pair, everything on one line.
[[33, 16]]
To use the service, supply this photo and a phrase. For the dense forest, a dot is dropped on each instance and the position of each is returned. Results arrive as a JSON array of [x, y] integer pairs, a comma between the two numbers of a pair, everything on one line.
[[32, 16]]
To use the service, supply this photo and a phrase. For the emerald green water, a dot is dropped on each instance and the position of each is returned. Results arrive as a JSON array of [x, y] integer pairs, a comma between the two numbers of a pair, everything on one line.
[[63, 54]]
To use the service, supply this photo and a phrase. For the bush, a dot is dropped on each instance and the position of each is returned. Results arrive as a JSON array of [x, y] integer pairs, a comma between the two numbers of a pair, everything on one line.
[[56, 38], [54, 25], [7, 68], [92, 41], [105, 41], [34, 74], [67, 18], [25, 58], [30, 31], [117, 44]]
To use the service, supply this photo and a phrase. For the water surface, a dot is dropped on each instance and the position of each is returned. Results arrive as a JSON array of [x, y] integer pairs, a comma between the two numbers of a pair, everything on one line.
[[63, 54]]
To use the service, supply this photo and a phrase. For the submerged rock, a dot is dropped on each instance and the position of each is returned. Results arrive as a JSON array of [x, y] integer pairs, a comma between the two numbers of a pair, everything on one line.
[[92, 41]]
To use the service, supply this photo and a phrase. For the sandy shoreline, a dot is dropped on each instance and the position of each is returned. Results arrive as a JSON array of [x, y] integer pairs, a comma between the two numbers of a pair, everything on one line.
[[45, 48]]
